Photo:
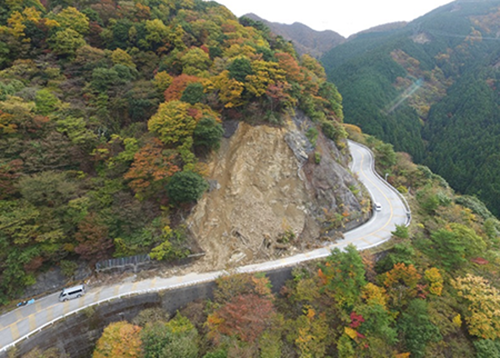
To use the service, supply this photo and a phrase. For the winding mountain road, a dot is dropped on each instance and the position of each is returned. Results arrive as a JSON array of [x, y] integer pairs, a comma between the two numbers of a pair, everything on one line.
[[27, 320]]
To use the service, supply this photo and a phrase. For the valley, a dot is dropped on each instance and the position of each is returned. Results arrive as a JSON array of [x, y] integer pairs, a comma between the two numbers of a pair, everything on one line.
[[430, 89], [285, 209]]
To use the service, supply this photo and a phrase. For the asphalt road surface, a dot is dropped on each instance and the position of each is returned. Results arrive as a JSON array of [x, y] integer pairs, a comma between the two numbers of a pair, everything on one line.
[[27, 320]]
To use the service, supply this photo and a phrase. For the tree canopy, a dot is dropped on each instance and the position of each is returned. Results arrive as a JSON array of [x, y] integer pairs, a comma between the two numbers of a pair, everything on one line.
[[106, 109]]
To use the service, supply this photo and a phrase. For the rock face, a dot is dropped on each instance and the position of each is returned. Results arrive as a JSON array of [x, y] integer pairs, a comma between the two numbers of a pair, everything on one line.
[[54, 280], [268, 196]]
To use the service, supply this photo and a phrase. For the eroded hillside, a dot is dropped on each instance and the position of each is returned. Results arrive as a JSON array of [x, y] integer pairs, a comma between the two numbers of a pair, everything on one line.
[[270, 197]]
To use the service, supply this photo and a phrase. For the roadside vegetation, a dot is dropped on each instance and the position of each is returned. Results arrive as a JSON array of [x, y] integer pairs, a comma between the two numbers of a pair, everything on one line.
[[107, 112], [432, 292]]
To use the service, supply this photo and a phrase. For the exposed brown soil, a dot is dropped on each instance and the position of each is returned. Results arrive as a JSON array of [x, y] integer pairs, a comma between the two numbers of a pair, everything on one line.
[[266, 200]]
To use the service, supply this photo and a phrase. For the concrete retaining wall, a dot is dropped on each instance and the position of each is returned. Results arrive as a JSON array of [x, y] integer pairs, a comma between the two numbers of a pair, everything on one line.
[[76, 335]]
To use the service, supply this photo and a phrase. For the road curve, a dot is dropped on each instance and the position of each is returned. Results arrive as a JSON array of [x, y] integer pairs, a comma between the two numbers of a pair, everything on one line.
[[27, 320]]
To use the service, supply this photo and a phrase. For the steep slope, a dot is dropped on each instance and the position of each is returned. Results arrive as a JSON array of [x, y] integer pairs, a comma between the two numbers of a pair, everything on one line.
[[108, 111], [305, 39], [269, 197], [426, 296], [430, 89]]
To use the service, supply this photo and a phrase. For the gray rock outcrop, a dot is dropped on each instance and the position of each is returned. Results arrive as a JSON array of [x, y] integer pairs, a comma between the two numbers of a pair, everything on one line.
[[269, 196]]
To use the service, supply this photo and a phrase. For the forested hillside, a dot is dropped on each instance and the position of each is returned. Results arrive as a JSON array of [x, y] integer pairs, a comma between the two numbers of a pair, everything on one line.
[[434, 292], [106, 108], [431, 89]]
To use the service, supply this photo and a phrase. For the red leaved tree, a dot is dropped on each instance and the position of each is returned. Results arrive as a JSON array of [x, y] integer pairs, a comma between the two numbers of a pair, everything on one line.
[[178, 85], [245, 316], [289, 64], [94, 241]]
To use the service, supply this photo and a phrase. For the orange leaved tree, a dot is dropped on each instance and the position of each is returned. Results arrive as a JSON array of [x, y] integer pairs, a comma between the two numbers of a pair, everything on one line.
[[119, 339], [151, 167]]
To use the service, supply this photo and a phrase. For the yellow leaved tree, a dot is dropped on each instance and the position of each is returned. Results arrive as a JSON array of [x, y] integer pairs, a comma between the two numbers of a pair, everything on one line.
[[119, 339], [173, 122], [483, 316]]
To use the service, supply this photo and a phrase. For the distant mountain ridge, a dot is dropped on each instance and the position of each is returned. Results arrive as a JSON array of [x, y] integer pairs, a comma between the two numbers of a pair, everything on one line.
[[305, 39], [380, 28]]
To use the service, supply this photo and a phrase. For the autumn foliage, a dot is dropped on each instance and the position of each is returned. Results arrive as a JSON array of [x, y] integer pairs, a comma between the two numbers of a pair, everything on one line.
[[178, 85], [483, 301], [93, 238], [119, 101], [107, 113], [245, 316], [151, 166], [402, 283], [120, 339], [435, 280]]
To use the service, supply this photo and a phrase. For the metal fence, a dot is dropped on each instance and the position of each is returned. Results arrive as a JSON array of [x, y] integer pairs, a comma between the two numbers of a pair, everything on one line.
[[131, 261], [138, 260]]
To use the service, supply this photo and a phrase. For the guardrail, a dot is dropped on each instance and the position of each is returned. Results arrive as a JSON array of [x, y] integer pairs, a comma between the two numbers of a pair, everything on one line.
[[128, 294], [403, 199], [210, 276]]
